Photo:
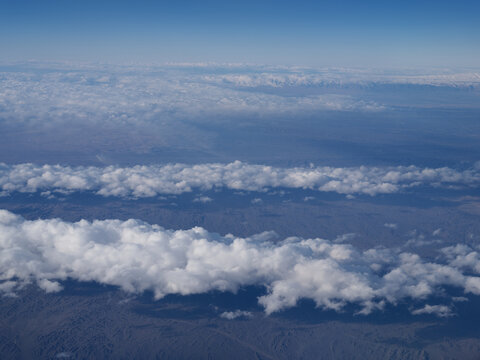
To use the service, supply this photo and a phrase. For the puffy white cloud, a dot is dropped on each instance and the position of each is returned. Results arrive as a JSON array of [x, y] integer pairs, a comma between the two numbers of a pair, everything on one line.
[[463, 256], [137, 256], [147, 181], [231, 315]]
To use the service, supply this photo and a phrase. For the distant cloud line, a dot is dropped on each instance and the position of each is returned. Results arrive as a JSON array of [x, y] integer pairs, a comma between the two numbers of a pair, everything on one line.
[[43, 94], [143, 96], [148, 181], [137, 256], [343, 77]]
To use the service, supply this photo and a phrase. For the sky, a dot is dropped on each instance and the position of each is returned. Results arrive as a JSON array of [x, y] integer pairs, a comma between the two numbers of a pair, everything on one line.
[[306, 33]]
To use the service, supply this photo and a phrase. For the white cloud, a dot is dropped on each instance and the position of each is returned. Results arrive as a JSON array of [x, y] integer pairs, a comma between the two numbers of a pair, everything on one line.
[[345, 237], [203, 199], [339, 77], [146, 98], [462, 256], [390, 225], [148, 181], [63, 355], [137, 256], [438, 310], [123, 95], [7, 288], [231, 315]]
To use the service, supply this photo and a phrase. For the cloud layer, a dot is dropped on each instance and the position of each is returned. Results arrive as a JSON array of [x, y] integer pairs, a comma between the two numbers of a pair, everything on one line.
[[147, 181], [121, 95], [148, 95], [294, 77], [137, 256]]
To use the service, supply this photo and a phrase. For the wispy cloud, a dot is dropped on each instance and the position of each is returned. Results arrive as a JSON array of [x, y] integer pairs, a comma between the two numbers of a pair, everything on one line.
[[438, 310]]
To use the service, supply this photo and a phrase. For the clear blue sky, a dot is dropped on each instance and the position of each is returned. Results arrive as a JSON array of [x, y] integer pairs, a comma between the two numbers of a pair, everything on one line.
[[314, 33]]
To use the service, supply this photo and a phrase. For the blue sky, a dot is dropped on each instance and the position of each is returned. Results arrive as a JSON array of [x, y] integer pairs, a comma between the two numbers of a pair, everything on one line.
[[312, 33]]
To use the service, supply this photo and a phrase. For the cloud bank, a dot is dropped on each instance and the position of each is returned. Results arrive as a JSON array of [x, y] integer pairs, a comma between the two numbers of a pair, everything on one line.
[[126, 96], [296, 77], [147, 181], [137, 256], [121, 95]]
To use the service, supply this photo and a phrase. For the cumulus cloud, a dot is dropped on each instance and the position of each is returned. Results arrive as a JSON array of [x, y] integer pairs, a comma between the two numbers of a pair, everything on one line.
[[232, 315], [463, 257], [147, 181], [137, 256]]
